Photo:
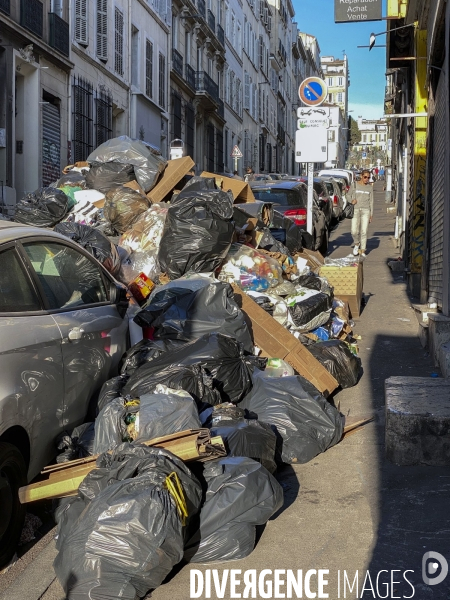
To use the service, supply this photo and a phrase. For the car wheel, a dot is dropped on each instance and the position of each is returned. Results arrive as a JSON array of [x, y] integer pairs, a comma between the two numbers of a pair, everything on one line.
[[13, 475], [323, 249]]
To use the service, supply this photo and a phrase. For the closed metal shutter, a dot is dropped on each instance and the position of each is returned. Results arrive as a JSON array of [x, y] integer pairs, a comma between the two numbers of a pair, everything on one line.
[[437, 196], [51, 144]]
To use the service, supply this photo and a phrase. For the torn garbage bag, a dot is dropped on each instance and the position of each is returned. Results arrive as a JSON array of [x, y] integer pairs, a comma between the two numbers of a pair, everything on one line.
[[103, 177], [72, 179], [123, 207], [305, 423], [145, 159], [94, 242], [240, 495], [338, 359], [130, 533], [198, 229], [178, 313], [222, 358], [79, 444], [43, 208], [145, 233]]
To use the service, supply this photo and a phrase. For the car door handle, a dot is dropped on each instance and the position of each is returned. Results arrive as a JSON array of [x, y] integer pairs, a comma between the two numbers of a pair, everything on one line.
[[75, 334]]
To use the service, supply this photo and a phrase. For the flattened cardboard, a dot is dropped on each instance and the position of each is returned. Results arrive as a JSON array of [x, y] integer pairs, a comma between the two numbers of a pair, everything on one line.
[[314, 259], [240, 189], [133, 185], [276, 342], [174, 172]]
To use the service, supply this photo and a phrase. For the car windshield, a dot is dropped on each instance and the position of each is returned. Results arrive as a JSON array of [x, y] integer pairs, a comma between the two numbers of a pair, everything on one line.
[[330, 187], [280, 196], [260, 177]]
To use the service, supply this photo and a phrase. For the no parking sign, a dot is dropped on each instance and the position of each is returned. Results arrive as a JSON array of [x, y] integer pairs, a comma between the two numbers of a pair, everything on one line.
[[313, 91]]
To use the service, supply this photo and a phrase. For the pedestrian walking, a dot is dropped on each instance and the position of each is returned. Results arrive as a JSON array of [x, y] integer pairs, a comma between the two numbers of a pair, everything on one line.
[[362, 198], [249, 174], [381, 174]]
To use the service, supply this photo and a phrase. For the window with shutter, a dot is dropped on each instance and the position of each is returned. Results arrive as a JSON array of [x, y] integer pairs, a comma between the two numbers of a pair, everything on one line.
[[232, 92], [149, 68], [118, 41], [251, 98], [227, 21], [246, 91], [245, 34], [189, 112], [102, 29], [81, 22], [255, 101], [239, 97], [261, 52], [162, 80], [260, 104]]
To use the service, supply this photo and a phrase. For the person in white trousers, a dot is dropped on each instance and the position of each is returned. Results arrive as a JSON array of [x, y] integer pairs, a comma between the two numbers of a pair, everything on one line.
[[362, 198]]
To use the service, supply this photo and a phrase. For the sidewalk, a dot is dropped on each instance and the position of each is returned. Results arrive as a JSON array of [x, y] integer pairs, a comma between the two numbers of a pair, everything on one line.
[[348, 508]]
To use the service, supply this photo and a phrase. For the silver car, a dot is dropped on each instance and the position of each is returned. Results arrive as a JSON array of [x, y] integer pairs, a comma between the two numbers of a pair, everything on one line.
[[62, 333]]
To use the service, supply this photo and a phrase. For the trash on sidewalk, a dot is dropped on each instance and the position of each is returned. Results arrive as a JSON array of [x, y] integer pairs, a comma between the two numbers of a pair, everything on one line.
[[123, 206], [43, 208], [78, 444], [339, 361], [128, 533], [347, 282]]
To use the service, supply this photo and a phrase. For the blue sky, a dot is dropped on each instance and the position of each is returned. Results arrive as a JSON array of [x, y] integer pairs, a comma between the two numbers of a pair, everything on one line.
[[367, 69]]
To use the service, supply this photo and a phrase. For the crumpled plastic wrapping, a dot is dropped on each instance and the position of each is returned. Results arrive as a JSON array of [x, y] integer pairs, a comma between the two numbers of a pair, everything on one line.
[[178, 313], [221, 356], [309, 309], [338, 360], [110, 390], [139, 262], [305, 423], [122, 535], [78, 444], [145, 159], [123, 207], [198, 229], [145, 233], [43, 208], [241, 494], [250, 269], [94, 242], [103, 177], [72, 179], [347, 261]]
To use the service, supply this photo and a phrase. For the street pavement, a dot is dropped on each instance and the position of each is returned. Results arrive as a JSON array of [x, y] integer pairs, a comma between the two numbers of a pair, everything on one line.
[[348, 509]]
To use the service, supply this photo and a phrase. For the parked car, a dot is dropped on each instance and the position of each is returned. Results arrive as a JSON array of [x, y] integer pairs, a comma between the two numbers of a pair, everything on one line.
[[291, 199], [338, 172], [262, 177], [325, 200], [64, 330], [276, 176], [335, 193]]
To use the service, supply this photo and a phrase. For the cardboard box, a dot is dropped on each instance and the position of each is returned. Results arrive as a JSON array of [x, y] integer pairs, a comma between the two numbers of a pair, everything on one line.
[[314, 259], [347, 283], [174, 172], [276, 342], [241, 191], [133, 185]]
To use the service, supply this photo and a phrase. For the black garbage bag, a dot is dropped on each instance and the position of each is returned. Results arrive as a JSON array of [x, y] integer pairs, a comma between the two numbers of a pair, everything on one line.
[[338, 359], [123, 207], [129, 534], [198, 229], [305, 310], [190, 378], [110, 426], [110, 390], [181, 314], [145, 351], [78, 444], [72, 179], [305, 423], [145, 159], [312, 282], [287, 232], [222, 358], [43, 208], [94, 242], [247, 437], [241, 494], [103, 177]]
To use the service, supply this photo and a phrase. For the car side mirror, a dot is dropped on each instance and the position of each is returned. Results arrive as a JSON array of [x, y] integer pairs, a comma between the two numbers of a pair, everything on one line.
[[118, 295]]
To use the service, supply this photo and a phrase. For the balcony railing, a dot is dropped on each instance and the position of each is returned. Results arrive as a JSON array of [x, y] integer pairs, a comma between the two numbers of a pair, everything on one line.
[[221, 109], [201, 7], [221, 35], [190, 76], [211, 21], [59, 34], [5, 6], [31, 16], [177, 62], [204, 83]]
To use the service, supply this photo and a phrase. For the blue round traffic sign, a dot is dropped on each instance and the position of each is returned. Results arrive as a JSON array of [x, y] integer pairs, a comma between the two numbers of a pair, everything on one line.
[[312, 91]]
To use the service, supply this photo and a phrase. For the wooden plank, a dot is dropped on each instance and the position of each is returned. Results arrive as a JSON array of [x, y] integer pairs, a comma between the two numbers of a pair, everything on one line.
[[353, 427]]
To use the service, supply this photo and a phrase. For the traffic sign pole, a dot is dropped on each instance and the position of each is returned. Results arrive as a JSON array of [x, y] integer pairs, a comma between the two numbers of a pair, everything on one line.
[[235, 163], [309, 209]]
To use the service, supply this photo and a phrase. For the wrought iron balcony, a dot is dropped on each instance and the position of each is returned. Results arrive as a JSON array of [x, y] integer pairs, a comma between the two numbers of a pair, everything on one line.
[[204, 83], [59, 34], [5, 6], [211, 21], [31, 16], [221, 35], [177, 62], [190, 76], [201, 7], [221, 109]]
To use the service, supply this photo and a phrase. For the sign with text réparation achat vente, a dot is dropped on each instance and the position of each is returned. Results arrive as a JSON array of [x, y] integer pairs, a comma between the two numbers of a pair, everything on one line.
[[348, 11]]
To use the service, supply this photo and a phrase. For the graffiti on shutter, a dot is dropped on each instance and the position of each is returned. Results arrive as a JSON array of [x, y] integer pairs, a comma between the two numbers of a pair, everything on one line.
[[51, 144]]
